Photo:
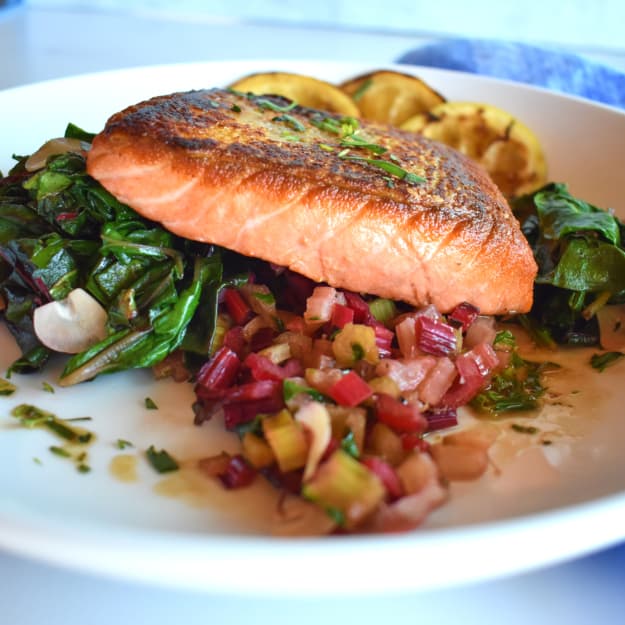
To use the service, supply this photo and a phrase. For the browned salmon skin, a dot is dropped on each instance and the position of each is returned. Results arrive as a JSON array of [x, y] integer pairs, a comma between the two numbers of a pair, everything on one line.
[[284, 184]]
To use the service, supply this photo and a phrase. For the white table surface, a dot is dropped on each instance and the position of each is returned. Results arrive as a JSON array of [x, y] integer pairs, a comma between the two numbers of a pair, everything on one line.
[[36, 44]]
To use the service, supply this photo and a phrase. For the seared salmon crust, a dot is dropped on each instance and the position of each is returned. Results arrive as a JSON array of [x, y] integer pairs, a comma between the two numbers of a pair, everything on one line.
[[280, 183]]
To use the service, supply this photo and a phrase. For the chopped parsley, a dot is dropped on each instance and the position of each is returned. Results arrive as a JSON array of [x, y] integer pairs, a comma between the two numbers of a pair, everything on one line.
[[161, 461], [290, 121], [263, 103], [122, 444], [6, 387], [150, 404], [59, 451], [348, 444], [48, 388], [607, 359], [388, 167], [291, 388], [362, 89], [524, 429]]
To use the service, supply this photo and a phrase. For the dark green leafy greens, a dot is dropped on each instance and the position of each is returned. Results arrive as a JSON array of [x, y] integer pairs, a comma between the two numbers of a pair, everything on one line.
[[581, 258], [60, 229]]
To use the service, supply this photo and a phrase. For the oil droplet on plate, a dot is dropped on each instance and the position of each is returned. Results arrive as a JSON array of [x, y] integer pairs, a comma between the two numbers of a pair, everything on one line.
[[124, 467]]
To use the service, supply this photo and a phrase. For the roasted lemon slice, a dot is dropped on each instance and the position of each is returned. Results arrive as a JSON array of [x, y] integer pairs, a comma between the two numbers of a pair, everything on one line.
[[509, 150], [391, 97], [304, 90]]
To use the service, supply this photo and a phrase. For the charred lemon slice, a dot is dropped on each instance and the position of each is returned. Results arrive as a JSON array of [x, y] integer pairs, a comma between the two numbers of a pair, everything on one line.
[[391, 97], [304, 90], [509, 150]]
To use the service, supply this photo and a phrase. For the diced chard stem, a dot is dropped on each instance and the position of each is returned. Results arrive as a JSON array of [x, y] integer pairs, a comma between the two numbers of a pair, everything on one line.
[[464, 314], [238, 308], [238, 473], [220, 371], [435, 337]]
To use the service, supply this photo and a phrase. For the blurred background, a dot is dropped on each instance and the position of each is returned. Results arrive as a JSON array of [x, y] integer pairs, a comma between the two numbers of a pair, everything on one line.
[[139, 32]]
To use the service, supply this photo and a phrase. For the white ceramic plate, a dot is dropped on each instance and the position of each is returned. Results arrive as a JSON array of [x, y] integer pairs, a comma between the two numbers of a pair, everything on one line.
[[546, 504]]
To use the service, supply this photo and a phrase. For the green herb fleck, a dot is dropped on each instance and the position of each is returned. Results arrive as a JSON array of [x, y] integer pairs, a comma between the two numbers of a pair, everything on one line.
[[358, 352], [263, 103], [37, 460], [505, 338], [59, 451], [348, 444], [266, 298], [235, 108], [122, 444], [518, 387], [290, 389], [524, 429], [31, 417], [48, 388], [362, 89], [83, 468], [326, 147], [356, 141], [6, 387], [161, 461], [388, 167], [291, 121], [149, 404], [336, 515], [607, 359]]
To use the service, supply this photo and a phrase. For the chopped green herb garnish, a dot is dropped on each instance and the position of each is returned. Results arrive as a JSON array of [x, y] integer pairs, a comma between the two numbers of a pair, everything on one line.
[[524, 429], [149, 404], [59, 451], [266, 298], [37, 460], [83, 468], [6, 387], [348, 444], [518, 387], [362, 89], [388, 167], [607, 359], [161, 460], [290, 121], [355, 141], [326, 147], [504, 338], [48, 388], [358, 351], [272, 106], [31, 417], [290, 389], [287, 136], [336, 515], [122, 444], [235, 108]]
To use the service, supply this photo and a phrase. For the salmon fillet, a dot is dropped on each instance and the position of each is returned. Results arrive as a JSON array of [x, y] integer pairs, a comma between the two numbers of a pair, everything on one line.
[[255, 175]]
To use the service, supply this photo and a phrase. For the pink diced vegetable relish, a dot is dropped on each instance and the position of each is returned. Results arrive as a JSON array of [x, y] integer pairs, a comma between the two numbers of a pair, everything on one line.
[[381, 386]]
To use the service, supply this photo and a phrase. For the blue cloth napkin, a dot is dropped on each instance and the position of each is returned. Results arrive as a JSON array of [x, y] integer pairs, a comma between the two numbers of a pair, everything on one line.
[[556, 70]]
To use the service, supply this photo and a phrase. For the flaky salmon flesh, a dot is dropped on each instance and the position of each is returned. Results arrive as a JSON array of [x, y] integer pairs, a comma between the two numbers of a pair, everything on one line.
[[356, 205]]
